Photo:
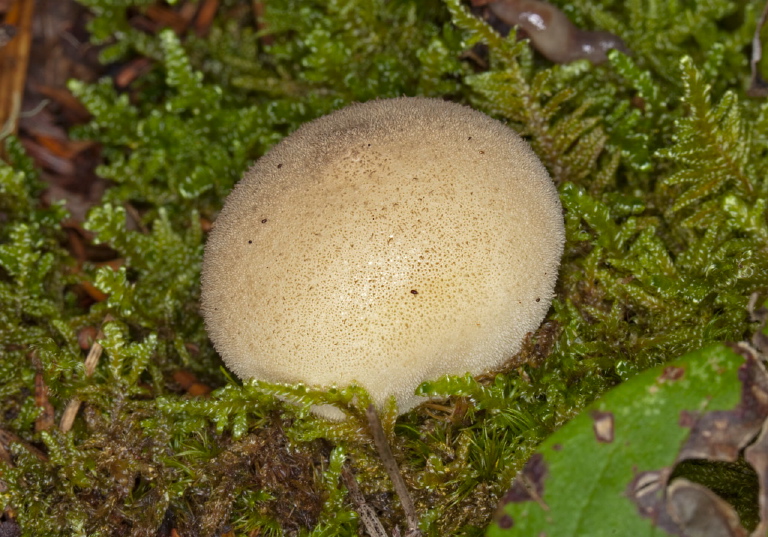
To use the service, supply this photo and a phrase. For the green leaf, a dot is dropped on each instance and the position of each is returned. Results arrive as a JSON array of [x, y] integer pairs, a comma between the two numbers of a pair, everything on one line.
[[582, 478]]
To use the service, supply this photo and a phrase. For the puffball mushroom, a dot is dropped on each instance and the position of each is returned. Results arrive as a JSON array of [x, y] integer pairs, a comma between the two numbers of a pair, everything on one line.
[[385, 244]]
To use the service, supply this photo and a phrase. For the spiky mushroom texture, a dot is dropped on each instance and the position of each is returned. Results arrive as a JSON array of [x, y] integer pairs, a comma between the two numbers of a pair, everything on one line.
[[387, 243]]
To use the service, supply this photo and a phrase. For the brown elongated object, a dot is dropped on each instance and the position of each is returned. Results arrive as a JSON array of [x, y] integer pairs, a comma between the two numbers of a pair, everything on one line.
[[91, 361], [367, 514], [552, 33], [14, 59], [390, 465]]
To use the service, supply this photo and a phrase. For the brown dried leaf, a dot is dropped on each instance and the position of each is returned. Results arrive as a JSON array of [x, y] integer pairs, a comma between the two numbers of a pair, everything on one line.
[[699, 512], [14, 58], [552, 33]]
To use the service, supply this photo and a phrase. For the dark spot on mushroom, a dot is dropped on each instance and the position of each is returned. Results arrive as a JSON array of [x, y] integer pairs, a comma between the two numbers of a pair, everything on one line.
[[603, 426], [506, 522], [264, 221], [538, 300], [279, 166], [482, 152], [414, 292], [469, 138], [250, 242]]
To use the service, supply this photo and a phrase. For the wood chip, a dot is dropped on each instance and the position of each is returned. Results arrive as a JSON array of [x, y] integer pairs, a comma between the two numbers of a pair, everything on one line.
[[14, 59]]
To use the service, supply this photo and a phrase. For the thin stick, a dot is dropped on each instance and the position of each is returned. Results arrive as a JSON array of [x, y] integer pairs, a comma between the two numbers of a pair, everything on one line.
[[46, 419], [259, 10], [367, 514], [91, 361], [390, 464]]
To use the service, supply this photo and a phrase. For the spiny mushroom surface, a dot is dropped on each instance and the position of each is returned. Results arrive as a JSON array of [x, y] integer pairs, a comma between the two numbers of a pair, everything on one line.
[[387, 243]]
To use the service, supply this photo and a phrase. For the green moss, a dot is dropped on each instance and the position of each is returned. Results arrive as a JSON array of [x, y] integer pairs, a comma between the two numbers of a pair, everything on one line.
[[661, 164]]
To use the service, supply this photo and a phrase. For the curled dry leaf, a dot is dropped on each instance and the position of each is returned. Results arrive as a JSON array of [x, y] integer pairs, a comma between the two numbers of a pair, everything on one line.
[[702, 512], [683, 508], [552, 33]]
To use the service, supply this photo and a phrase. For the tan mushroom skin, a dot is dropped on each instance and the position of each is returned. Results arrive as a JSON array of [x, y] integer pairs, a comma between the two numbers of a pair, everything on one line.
[[386, 244]]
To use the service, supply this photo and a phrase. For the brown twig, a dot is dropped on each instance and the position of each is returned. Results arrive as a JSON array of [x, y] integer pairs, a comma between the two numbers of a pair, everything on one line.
[[46, 418], [259, 9], [131, 71], [758, 87], [14, 59], [390, 464], [134, 214], [91, 361], [205, 15], [168, 18], [367, 514]]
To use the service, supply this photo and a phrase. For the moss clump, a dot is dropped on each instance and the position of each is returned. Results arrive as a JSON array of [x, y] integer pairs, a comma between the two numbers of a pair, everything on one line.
[[661, 166]]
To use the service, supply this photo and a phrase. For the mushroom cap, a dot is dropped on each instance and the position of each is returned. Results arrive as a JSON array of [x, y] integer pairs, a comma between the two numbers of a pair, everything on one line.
[[387, 243]]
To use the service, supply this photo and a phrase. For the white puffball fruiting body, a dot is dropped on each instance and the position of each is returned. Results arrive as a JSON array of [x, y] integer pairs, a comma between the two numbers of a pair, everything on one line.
[[387, 243]]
